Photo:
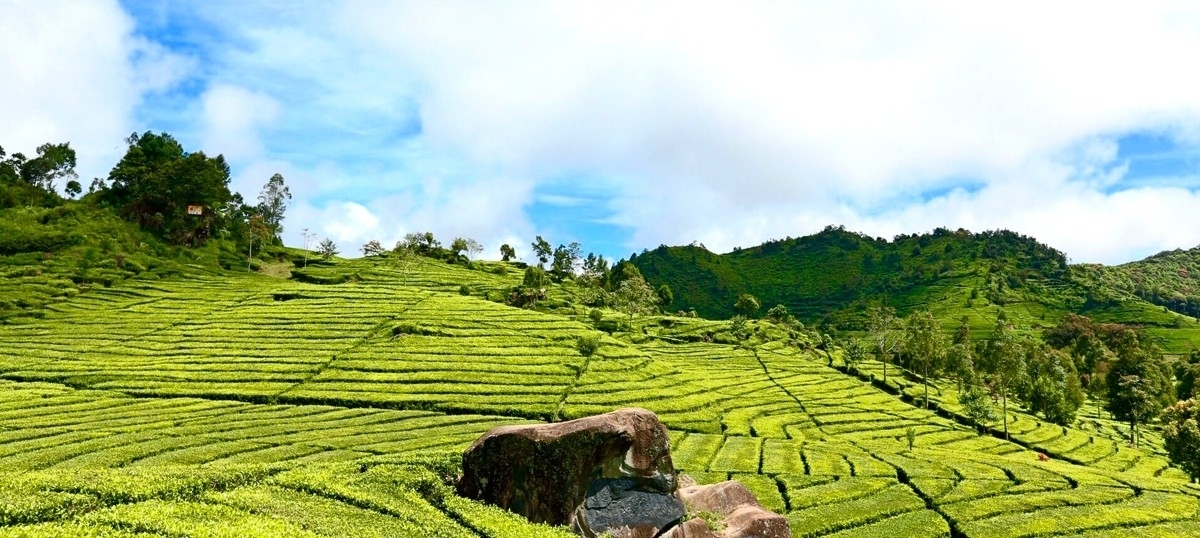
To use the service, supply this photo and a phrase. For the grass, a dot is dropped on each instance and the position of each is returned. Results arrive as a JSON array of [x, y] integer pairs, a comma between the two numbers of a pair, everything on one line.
[[212, 404]]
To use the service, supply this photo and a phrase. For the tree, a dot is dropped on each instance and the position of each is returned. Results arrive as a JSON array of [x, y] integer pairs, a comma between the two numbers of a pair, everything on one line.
[[424, 244], [272, 203], [156, 182], [746, 305], [402, 258], [1139, 382], [473, 248], [372, 248], [458, 246], [507, 253], [855, 353], [541, 249], [1005, 362], [327, 249], [977, 406], [74, 188], [308, 237], [665, 296], [780, 315], [634, 296], [881, 325], [53, 161], [925, 346], [532, 288], [566, 257], [1181, 436], [1051, 386], [1188, 373], [256, 231], [960, 358]]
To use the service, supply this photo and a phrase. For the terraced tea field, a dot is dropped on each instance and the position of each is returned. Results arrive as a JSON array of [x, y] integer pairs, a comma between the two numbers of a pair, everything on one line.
[[251, 406]]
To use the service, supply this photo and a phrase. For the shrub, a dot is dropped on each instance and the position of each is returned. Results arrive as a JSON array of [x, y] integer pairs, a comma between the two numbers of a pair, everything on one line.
[[588, 344]]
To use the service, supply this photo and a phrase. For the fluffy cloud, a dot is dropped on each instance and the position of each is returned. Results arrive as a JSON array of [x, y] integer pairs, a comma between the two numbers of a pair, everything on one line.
[[779, 118], [233, 119], [75, 71]]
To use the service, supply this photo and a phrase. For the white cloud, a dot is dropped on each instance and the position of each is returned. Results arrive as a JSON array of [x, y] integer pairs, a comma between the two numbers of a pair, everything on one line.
[[74, 71], [732, 125], [233, 119]]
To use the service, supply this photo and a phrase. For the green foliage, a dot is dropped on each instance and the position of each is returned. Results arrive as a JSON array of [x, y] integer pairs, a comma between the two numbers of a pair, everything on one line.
[[327, 249], [977, 406], [833, 269], [1003, 359], [634, 296], [272, 203], [1051, 385], [588, 344], [925, 346], [156, 181], [1181, 436], [541, 249], [507, 253], [372, 248], [746, 305], [1139, 382]]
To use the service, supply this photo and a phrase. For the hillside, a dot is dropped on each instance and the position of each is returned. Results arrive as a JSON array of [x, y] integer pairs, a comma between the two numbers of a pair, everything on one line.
[[237, 404], [828, 279], [1170, 279]]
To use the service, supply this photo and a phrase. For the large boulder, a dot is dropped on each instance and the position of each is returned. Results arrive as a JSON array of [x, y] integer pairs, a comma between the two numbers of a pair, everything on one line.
[[609, 473], [738, 511]]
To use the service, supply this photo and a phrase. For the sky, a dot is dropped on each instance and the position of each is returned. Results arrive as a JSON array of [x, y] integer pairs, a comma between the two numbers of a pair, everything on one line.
[[626, 125]]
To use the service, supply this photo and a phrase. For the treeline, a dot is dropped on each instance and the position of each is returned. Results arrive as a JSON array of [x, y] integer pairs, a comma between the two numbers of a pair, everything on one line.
[[824, 272], [1050, 375], [179, 197]]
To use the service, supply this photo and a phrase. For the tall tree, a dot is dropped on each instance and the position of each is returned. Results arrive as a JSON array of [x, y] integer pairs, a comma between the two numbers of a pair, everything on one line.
[[1051, 386], [474, 248], [543, 251], [272, 203], [53, 161], [507, 253], [1004, 361], [1139, 382], [881, 325], [566, 257], [634, 296], [960, 358], [925, 346], [257, 230]]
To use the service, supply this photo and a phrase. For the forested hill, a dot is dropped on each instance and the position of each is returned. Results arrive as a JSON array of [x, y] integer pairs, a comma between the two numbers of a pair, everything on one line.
[[1170, 278], [823, 273]]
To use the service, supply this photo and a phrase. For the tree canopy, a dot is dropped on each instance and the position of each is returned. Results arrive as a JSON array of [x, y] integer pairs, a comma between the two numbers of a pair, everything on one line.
[[156, 182]]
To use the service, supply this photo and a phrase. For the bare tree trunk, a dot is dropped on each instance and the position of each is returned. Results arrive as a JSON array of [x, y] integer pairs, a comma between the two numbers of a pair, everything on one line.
[[250, 255], [1004, 398]]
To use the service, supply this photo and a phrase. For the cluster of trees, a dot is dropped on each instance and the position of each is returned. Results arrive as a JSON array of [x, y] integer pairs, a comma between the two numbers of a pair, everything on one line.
[[26, 181], [182, 197], [1051, 376]]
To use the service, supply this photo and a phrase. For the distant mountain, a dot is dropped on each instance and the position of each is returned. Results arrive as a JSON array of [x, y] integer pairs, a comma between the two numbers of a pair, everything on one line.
[[830, 277]]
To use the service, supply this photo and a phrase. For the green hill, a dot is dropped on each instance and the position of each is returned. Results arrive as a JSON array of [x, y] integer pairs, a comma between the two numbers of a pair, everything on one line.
[[218, 403], [829, 278]]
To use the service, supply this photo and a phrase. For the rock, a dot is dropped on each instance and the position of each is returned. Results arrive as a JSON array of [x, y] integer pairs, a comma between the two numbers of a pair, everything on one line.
[[610, 473], [693, 528], [743, 516]]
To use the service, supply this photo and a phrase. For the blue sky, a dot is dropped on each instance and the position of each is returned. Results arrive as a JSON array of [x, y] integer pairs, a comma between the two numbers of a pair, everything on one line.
[[625, 125]]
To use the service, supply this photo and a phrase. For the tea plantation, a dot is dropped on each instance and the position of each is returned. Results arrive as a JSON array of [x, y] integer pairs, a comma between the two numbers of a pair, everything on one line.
[[246, 405]]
